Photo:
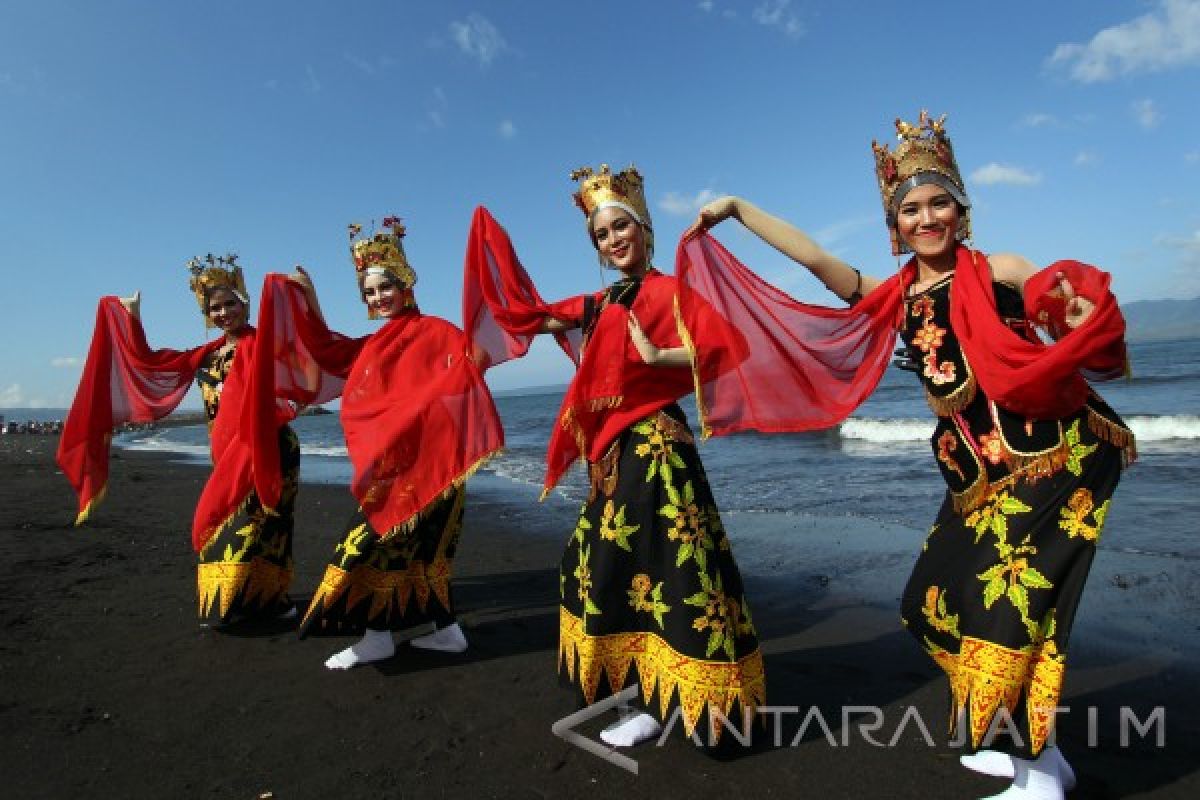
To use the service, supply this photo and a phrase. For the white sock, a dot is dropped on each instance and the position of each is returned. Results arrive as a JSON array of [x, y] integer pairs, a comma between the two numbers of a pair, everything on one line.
[[1000, 765], [1034, 780], [448, 640], [374, 646], [631, 729], [989, 762]]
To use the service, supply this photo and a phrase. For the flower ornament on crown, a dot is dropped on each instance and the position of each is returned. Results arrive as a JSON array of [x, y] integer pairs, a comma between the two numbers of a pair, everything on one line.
[[382, 253], [923, 155], [216, 272], [624, 190]]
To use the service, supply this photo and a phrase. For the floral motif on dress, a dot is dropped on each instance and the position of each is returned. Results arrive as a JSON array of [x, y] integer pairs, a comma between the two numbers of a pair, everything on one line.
[[928, 338]]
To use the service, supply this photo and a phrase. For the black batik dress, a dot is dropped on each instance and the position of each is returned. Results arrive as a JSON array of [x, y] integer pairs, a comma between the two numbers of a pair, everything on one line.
[[650, 591], [995, 589], [245, 570], [390, 584]]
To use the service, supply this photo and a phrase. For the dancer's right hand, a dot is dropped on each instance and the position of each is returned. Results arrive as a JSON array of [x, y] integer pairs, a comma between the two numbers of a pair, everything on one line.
[[133, 304], [711, 214], [301, 278]]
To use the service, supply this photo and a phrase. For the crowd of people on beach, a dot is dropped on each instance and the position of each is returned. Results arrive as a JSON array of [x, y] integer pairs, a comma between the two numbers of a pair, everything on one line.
[[30, 426], [649, 590]]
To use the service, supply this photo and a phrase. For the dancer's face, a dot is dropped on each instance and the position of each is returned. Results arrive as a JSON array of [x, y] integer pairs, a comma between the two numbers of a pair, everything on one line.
[[226, 310], [620, 239], [382, 295], [927, 220]]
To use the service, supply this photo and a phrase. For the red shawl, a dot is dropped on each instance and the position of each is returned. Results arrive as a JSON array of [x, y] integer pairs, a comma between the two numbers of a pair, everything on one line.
[[502, 310], [417, 415], [810, 366], [613, 388], [123, 381]]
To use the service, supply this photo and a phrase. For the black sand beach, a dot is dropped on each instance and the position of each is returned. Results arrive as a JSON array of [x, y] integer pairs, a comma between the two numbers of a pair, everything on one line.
[[108, 687]]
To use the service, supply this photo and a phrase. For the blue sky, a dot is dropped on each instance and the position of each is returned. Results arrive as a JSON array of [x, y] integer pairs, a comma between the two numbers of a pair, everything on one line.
[[134, 135]]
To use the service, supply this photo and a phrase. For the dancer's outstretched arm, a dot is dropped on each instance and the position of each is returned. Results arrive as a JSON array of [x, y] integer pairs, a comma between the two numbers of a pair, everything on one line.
[[839, 277]]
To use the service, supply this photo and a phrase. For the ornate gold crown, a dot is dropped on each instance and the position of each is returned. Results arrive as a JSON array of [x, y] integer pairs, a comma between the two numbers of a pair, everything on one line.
[[215, 272], [924, 155], [600, 189], [383, 251]]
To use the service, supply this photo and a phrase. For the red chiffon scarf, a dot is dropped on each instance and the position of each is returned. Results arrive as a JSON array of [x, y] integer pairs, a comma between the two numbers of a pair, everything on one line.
[[809, 366], [123, 381], [417, 416]]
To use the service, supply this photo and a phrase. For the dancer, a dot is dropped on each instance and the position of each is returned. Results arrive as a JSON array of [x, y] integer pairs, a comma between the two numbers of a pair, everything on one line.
[[245, 549], [650, 592], [418, 420], [1030, 454]]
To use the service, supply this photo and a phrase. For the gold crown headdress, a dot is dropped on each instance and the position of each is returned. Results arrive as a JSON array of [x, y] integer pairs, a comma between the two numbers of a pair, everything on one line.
[[216, 272], [624, 190], [923, 155], [381, 252]]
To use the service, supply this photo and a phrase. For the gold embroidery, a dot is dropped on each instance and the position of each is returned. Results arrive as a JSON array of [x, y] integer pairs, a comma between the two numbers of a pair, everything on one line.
[[697, 682]]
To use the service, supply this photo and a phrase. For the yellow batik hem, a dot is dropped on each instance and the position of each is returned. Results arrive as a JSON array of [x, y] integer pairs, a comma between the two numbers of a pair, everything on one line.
[[389, 591], [259, 582], [699, 683], [985, 676]]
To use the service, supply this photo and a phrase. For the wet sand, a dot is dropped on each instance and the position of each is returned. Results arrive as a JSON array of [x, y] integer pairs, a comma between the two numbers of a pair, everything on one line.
[[109, 688]]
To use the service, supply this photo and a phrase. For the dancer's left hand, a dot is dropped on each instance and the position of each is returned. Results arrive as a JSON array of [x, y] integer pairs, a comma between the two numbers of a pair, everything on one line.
[[1077, 308]]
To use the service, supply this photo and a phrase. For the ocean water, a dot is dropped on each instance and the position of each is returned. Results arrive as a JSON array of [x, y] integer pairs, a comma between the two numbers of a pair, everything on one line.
[[878, 464]]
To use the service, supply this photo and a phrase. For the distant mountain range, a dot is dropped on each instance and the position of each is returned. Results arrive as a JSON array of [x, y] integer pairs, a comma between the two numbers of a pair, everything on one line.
[[1162, 320]]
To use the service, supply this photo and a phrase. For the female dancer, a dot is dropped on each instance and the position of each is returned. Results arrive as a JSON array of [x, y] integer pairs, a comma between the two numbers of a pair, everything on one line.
[[418, 420], [1030, 454], [650, 592], [245, 549]]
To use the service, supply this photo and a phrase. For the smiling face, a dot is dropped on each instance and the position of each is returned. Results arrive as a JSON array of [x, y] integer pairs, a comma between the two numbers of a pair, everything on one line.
[[620, 239], [927, 220], [383, 294], [226, 310]]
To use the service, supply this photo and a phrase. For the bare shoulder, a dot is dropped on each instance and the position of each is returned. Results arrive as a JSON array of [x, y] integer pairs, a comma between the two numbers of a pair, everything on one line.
[[1011, 268]]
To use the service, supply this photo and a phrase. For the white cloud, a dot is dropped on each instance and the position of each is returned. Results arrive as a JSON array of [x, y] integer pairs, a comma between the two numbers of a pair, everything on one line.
[[437, 114], [363, 65], [12, 396], [1146, 114], [778, 14], [314, 85], [833, 236], [1192, 157], [1167, 37], [1039, 120], [1085, 158], [478, 38], [507, 129], [66, 361], [705, 5], [682, 205], [993, 173]]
